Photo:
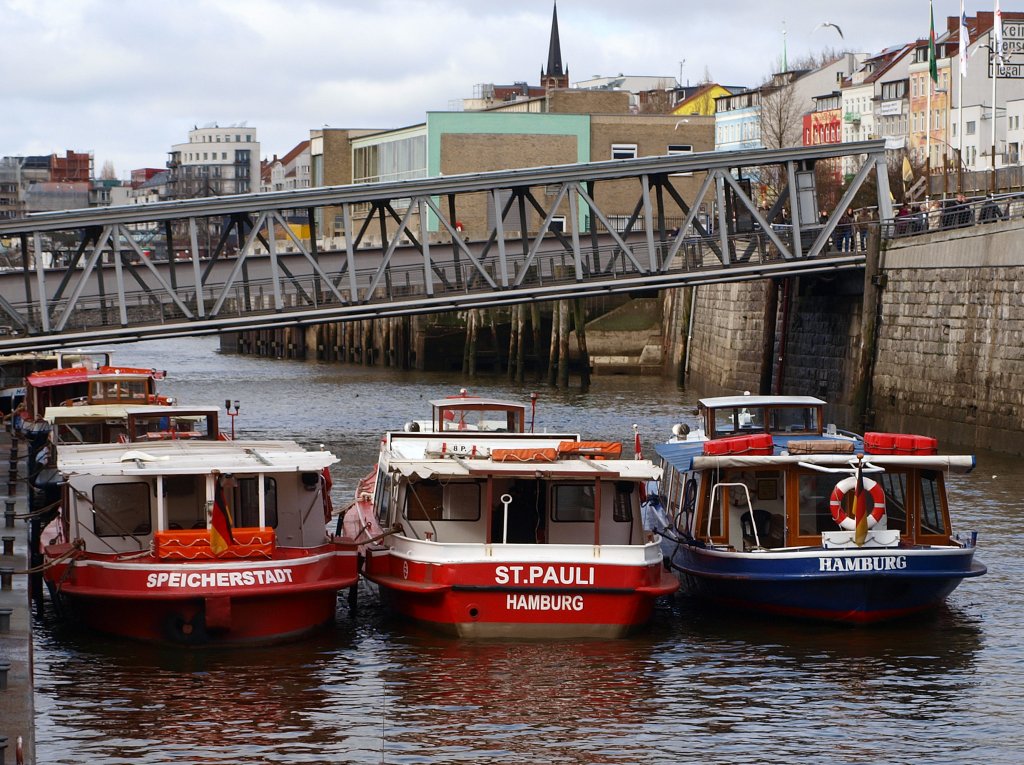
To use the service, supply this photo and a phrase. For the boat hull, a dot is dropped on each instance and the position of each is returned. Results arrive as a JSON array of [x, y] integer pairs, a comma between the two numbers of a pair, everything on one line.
[[853, 586], [521, 599], [205, 603]]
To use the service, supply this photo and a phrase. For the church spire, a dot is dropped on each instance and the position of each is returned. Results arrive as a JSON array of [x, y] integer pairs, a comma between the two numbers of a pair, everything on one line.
[[556, 75]]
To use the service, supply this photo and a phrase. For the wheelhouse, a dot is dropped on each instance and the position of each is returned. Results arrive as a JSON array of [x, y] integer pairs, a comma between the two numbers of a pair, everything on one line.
[[735, 415]]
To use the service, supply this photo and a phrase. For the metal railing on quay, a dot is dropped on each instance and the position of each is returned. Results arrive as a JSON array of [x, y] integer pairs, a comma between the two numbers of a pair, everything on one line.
[[950, 214]]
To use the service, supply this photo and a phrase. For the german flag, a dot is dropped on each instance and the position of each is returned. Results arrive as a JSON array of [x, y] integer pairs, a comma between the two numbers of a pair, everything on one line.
[[221, 523], [860, 510]]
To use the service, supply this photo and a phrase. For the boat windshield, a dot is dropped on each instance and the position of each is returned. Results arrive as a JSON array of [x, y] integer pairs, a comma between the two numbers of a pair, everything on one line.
[[495, 420], [771, 419]]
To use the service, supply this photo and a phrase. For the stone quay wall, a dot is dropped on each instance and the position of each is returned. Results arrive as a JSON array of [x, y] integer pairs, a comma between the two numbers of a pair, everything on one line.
[[950, 358]]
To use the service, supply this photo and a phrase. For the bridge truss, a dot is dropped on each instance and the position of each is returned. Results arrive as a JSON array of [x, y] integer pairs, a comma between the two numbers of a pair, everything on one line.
[[210, 265]]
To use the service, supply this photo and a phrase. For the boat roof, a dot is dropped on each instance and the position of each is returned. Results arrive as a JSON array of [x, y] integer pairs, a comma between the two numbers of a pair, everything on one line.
[[190, 457], [121, 411], [685, 456], [475, 402], [724, 402], [467, 467], [417, 455], [50, 377]]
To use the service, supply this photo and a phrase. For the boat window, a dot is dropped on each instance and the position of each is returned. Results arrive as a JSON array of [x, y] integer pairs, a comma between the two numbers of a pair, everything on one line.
[[815, 491], [622, 510], [725, 421], [573, 503], [424, 501], [120, 509], [932, 519], [793, 419], [462, 502], [134, 390], [895, 487], [245, 504], [185, 498], [383, 498]]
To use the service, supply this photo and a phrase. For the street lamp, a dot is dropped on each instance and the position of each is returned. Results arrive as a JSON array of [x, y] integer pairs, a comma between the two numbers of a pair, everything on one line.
[[232, 413]]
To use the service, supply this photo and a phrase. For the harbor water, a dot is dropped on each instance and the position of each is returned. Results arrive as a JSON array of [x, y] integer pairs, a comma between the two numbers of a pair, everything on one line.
[[695, 687]]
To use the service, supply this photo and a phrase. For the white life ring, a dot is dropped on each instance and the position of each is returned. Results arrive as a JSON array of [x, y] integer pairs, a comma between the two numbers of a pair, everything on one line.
[[849, 484]]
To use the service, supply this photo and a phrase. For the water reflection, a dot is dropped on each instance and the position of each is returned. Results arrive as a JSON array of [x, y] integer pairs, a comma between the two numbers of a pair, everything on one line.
[[697, 687]]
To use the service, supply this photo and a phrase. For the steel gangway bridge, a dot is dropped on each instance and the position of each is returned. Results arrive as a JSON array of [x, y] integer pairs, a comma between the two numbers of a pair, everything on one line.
[[82, 277]]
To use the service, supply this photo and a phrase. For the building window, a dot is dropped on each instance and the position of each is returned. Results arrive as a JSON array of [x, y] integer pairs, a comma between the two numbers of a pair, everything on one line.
[[971, 127], [678, 149], [623, 151]]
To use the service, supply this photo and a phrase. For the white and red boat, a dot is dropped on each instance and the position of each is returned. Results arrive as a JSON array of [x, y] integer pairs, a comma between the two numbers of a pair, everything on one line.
[[141, 549], [480, 529]]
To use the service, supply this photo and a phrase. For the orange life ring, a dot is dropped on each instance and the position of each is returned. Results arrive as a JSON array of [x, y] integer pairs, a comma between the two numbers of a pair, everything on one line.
[[848, 484]]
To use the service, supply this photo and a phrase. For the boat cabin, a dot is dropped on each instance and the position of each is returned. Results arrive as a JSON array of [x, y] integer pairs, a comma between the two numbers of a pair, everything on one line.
[[726, 416], [93, 385], [121, 498], [753, 499], [523, 491], [465, 412], [113, 423]]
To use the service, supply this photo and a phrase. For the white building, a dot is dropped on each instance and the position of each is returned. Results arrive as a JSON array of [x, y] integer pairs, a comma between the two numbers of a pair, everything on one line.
[[972, 130], [292, 171], [215, 161]]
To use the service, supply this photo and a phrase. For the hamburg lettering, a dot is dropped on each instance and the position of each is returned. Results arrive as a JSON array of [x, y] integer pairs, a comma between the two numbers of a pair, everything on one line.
[[872, 563], [543, 602], [558, 575], [196, 579]]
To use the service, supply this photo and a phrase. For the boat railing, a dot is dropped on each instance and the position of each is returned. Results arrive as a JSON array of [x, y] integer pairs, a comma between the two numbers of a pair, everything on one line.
[[524, 553], [750, 509]]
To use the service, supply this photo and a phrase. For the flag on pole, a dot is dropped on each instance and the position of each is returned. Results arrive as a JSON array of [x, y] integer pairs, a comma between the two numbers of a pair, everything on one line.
[[860, 515], [933, 65], [998, 27], [965, 40], [220, 520], [638, 453]]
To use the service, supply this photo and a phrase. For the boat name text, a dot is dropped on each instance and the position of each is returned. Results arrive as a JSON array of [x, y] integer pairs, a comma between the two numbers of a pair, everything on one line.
[[219, 578], [874, 563], [544, 602], [543, 575]]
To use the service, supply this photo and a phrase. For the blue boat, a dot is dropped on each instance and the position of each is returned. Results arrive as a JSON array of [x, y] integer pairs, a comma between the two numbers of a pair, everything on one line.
[[761, 507]]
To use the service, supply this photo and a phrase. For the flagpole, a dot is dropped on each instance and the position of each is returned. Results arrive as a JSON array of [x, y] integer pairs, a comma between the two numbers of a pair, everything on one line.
[[960, 100], [928, 109], [996, 49], [928, 138], [995, 75]]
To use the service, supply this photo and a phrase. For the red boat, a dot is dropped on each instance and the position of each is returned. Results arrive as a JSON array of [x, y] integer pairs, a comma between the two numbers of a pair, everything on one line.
[[483, 531], [92, 383], [197, 542]]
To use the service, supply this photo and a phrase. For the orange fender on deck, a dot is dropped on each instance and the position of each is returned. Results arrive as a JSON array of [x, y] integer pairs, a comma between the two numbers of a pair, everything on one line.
[[524, 455], [194, 544], [609, 450]]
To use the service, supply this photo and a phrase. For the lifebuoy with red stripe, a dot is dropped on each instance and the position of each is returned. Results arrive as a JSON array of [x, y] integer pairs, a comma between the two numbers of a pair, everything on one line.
[[849, 484]]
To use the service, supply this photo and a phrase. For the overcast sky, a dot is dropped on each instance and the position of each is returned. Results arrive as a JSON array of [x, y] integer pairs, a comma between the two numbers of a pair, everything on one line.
[[127, 79]]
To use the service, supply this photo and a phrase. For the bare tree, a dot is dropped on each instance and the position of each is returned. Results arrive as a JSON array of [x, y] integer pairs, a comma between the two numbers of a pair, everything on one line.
[[108, 173]]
